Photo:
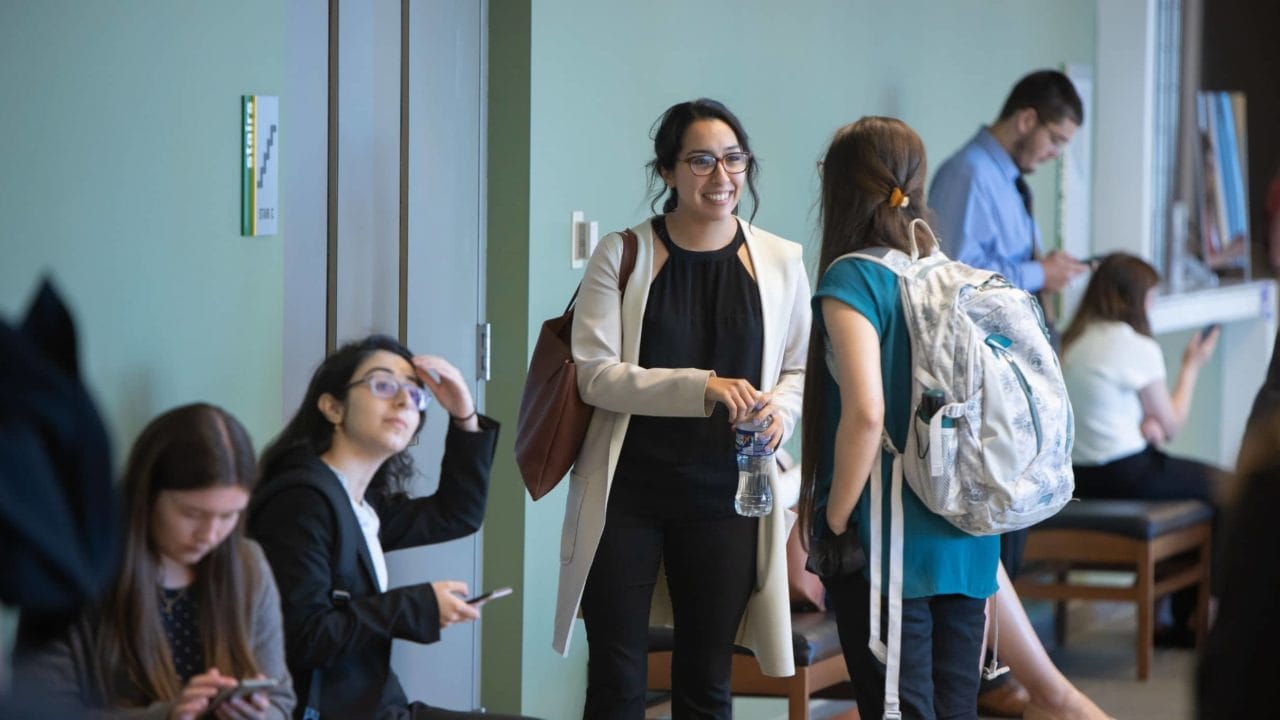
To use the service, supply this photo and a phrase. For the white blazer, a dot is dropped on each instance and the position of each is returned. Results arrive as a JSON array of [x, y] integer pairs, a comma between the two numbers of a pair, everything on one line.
[[606, 348]]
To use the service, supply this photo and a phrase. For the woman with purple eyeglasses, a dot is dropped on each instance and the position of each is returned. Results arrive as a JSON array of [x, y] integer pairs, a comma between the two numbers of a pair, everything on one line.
[[332, 498]]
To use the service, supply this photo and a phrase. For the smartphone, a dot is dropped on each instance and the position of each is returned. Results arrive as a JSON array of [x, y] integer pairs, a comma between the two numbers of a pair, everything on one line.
[[246, 686], [479, 600]]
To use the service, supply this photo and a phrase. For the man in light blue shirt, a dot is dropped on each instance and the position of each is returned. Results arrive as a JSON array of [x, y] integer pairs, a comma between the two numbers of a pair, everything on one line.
[[981, 202], [982, 214]]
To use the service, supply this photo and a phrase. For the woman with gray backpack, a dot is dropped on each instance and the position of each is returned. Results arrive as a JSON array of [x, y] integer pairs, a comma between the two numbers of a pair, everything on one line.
[[863, 401], [858, 388]]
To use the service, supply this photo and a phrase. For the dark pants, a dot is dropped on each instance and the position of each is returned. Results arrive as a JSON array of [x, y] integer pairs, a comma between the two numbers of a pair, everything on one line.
[[941, 648], [1153, 475], [1011, 546], [710, 570]]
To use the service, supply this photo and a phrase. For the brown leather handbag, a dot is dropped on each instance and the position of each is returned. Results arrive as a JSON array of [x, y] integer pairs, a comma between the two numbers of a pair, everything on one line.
[[553, 418]]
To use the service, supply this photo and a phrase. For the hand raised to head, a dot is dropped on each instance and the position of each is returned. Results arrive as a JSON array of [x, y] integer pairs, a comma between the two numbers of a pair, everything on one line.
[[449, 388]]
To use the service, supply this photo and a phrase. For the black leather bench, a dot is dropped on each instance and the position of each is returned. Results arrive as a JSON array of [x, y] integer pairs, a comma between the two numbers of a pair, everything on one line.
[[1165, 543], [819, 663]]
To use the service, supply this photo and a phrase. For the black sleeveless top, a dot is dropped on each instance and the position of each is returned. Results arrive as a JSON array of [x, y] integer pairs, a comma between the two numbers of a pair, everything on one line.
[[703, 312]]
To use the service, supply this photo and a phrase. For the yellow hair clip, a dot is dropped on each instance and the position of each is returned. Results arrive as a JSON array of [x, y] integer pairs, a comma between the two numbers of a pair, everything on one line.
[[897, 199]]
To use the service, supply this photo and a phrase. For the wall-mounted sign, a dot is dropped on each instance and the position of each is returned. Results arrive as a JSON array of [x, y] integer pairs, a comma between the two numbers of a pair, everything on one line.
[[260, 164]]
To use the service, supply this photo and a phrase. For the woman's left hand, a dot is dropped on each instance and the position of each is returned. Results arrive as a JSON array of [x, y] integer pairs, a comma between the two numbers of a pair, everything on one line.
[[774, 431], [449, 388], [253, 707]]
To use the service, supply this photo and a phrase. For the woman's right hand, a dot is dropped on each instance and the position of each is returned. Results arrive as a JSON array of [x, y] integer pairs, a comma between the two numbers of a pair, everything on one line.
[[195, 697], [451, 599], [736, 394], [250, 707], [1153, 432]]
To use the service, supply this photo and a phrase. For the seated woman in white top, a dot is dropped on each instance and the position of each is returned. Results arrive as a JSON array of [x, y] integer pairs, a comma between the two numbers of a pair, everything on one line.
[[1115, 376]]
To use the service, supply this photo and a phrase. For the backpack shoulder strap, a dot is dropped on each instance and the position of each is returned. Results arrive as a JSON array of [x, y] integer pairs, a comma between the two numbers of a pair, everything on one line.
[[894, 260]]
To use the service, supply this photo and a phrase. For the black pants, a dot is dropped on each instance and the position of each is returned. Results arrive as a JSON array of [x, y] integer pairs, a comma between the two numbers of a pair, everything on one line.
[[710, 570], [941, 649], [1153, 475]]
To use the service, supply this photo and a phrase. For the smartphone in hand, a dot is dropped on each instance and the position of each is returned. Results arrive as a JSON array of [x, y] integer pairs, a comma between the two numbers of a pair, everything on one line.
[[479, 600], [244, 688]]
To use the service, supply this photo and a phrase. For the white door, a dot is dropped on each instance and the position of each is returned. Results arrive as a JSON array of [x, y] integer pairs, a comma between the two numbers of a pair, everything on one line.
[[445, 299]]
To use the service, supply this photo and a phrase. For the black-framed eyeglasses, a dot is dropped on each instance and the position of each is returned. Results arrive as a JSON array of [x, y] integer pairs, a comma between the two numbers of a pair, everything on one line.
[[384, 385], [705, 163]]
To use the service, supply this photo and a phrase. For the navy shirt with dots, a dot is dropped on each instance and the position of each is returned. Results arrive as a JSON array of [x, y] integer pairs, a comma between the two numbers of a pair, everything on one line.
[[178, 610]]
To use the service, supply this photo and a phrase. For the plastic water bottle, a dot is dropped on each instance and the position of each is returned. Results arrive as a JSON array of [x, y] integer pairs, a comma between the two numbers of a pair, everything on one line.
[[755, 460]]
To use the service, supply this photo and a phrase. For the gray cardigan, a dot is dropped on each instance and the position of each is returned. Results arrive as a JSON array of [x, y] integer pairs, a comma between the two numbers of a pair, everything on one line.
[[60, 676]]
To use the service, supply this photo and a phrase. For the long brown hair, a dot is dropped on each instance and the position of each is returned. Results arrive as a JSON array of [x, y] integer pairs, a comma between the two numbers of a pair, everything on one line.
[[1257, 460], [189, 448], [1118, 292], [866, 161]]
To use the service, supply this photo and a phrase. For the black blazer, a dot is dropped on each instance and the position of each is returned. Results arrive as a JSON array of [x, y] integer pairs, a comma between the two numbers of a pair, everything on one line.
[[302, 525]]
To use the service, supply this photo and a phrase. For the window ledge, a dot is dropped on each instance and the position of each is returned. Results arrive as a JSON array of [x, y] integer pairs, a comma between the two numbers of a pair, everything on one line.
[[1222, 304]]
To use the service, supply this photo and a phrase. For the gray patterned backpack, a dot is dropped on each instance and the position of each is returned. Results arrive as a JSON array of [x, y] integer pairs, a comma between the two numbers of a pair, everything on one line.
[[989, 447]]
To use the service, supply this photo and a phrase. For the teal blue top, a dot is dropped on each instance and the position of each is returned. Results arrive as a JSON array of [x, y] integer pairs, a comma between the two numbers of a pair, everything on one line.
[[937, 557]]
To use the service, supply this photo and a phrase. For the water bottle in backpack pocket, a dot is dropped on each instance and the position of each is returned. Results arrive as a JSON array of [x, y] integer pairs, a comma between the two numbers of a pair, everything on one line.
[[936, 441]]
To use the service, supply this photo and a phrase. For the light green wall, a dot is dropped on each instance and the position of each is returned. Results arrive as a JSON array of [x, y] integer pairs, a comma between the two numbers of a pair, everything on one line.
[[119, 134], [508, 285], [599, 73]]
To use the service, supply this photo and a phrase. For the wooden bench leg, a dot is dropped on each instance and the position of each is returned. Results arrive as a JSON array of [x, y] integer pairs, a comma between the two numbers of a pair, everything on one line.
[[1202, 597], [1146, 580], [798, 695], [1060, 612]]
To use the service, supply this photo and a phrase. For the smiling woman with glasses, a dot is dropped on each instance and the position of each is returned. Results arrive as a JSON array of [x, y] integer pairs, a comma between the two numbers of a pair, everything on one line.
[[710, 331], [332, 499]]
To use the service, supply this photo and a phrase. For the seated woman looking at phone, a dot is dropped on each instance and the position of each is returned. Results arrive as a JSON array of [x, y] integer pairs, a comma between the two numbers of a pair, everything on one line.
[[1116, 378], [333, 499], [194, 609]]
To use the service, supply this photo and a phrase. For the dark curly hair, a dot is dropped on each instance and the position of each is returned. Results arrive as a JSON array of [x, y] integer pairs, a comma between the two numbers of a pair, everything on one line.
[[311, 430], [668, 138]]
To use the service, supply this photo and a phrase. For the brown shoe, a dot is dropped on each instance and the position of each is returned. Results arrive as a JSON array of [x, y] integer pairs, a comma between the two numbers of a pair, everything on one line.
[[1006, 700]]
